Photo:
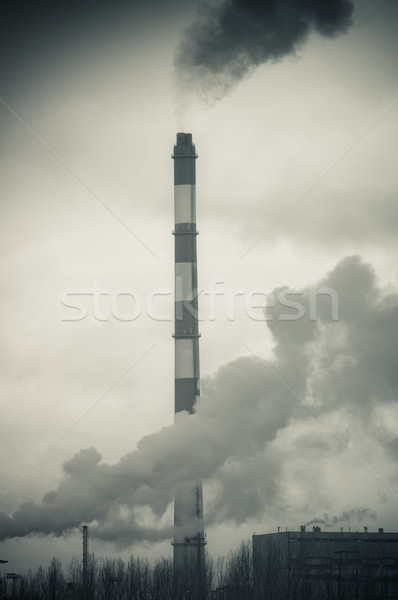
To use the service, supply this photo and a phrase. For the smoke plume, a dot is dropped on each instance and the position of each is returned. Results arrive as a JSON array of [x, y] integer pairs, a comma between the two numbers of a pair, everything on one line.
[[356, 514], [227, 42], [231, 443]]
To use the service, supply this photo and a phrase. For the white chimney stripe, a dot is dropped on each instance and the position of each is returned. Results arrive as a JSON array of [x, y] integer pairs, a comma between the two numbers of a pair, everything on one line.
[[183, 281], [184, 358], [184, 203]]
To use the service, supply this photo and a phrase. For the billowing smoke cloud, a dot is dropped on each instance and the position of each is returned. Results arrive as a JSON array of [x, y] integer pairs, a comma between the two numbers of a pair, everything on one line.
[[356, 514], [195, 447], [228, 41], [347, 364]]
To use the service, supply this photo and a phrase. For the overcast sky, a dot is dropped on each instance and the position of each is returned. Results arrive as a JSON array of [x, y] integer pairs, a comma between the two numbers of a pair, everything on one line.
[[294, 117]]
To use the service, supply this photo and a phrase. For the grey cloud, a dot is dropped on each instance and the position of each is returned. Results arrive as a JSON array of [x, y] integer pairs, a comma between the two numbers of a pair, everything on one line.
[[319, 443], [124, 531], [350, 361], [227, 42], [368, 320], [36, 36], [391, 447], [244, 488], [362, 212]]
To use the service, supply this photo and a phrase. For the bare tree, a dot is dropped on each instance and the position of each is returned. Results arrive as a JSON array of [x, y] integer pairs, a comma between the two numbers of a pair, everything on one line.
[[162, 580], [219, 572], [139, 580], [235, 574], [39, 583], [56, 580], [208, 573], [111, 579]]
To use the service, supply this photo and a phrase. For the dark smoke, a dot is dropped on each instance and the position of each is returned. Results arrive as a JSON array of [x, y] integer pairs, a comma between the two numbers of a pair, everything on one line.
[[227, 42]]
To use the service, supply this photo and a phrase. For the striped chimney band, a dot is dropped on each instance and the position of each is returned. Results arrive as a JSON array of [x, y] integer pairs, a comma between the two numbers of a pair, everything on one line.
[[186, 331]]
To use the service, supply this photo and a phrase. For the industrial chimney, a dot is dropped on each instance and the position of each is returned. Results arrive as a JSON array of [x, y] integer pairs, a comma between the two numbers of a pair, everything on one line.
[[189, 539]]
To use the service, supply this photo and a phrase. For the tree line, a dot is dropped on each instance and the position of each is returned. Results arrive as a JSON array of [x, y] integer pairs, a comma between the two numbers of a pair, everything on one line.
[[136, 579]]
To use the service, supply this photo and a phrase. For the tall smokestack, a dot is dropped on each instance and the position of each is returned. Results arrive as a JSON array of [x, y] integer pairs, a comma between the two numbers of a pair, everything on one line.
[[189, 537]]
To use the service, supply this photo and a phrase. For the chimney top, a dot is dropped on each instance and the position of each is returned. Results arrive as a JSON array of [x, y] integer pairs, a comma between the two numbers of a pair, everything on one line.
[[184, 139], [184, 146]]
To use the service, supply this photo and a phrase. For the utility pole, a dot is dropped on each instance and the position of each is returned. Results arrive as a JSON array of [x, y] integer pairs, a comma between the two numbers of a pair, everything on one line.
[[85, 562]]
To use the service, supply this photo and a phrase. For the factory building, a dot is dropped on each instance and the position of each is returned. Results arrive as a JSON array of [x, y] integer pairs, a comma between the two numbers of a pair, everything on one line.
[[317, 565]]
